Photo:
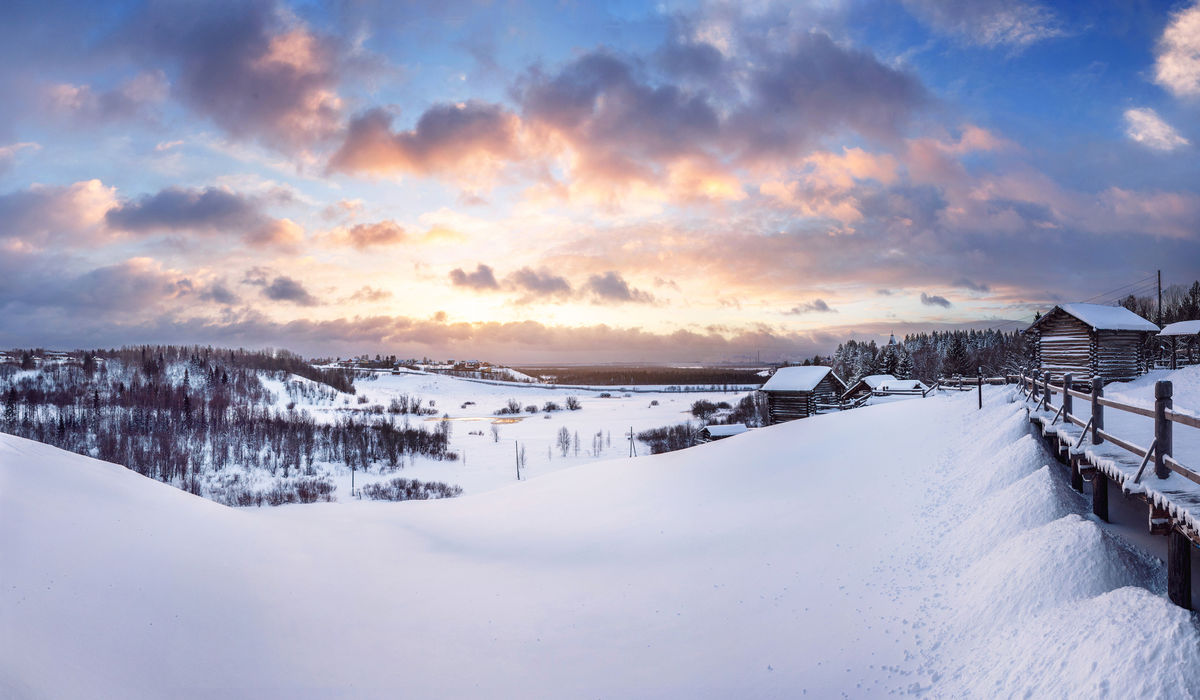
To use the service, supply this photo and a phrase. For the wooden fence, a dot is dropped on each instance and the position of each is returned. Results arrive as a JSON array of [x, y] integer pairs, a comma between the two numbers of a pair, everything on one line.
[[1170, 510]]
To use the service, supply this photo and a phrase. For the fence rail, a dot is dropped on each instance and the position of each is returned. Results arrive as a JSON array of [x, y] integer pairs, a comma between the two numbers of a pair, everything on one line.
[[1039, 388]]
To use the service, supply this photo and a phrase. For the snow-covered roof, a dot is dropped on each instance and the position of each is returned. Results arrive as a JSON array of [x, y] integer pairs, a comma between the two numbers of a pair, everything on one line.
[[875, 380], [903, 385], [796, 378], [1105, 318], [726, 430], [1181, 328]]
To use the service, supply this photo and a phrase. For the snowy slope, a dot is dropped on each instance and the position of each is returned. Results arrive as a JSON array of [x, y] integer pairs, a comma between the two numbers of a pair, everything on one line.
[[798, 559]]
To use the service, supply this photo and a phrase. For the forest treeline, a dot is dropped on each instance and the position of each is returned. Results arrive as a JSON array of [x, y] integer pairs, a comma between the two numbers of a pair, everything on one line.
[[189, 415]]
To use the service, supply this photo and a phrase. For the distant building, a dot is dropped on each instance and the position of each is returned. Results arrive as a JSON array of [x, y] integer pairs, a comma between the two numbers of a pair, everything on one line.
[[799, 392], [883, 383], [710, 433], [1091, 340], [1184, 338]]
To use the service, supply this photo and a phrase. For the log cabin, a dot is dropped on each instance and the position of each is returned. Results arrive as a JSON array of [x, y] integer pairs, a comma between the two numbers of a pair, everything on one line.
[[883, 384], [799, 392], [1091, 340]]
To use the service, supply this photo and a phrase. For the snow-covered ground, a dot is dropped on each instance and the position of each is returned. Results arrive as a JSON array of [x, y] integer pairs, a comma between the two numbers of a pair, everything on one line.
[[908, 548], [486, 462]]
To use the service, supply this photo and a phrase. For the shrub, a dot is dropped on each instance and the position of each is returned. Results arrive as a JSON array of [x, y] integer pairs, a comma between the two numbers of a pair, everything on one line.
[[551, 406], [409, 490], [573, 403]]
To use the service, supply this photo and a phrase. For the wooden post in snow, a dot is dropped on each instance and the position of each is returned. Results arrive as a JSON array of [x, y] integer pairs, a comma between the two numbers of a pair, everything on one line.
[[1179, 569], [1046, 391], [979, 381], [1162, 428], [1097, 410]]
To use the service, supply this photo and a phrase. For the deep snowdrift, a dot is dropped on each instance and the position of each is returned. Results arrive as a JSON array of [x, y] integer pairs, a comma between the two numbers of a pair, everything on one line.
[[847, 553]]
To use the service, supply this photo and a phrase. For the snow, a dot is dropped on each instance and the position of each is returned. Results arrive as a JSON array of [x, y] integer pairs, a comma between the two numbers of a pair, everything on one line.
[[796, 378], [794, 560], [726, 430], [875, 380], [1181, 328], [1108, 318]]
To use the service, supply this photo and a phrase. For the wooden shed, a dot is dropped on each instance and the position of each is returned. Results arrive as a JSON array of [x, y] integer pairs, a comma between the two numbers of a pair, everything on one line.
[[1088, 340], [709, 433], [1183, 338], [883, 384], [799, 392]]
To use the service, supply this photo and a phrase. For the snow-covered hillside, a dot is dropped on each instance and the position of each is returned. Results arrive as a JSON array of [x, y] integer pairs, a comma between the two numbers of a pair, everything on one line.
[[919, 547]]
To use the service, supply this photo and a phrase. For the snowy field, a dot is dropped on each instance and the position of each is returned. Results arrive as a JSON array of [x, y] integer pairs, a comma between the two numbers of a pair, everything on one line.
[[919, 548], [486, 460]]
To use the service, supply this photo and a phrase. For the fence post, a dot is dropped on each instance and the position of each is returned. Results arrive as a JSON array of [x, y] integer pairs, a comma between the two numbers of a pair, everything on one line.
[[980, 382], [1097, 410], [1033, 384], [1162, 428], [1046, 391], [1068, 402]]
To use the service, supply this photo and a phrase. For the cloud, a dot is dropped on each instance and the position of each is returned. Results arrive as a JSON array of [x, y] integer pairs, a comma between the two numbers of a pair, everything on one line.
[[538, 283], [610, 286], [8, 154], [61, 215], [211, 210], [814, 306], [965, 283], [217, 292], [252, 67], [449, 139], [816, 87], [1177, 61], [133, 99], [989, 23], [1144, 126], [369, 294], [285, 288], [934, 300], [380, 233], [481, 278]]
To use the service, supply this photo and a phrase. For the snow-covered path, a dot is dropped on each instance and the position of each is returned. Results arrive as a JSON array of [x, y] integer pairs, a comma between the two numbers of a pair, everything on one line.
[[868, 552]]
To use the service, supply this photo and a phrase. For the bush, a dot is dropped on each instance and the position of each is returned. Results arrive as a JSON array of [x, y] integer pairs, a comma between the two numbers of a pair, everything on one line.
[[668, 438], [409, 490], [573, 403], [551, 406], [531, 408], [513, 407]]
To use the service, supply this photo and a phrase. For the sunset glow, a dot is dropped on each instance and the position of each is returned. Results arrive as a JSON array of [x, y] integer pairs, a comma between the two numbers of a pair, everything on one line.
[[562, 181]]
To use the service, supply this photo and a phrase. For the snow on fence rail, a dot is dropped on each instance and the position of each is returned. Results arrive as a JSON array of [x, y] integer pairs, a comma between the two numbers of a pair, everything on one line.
[[1174, 507]]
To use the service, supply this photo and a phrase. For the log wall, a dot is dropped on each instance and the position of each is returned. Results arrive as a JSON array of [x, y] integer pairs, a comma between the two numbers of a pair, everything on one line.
[[783, 406], [1065, 345]]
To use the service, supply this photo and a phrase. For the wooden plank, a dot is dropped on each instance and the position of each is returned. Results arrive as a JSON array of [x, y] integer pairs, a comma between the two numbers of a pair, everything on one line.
[[1181, 470], [1128, 446], [1147, 412], [1187, 420]]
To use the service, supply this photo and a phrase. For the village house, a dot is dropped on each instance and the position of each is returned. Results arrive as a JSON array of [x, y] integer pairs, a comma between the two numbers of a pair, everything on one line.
[[799, 392], [1091, 340]]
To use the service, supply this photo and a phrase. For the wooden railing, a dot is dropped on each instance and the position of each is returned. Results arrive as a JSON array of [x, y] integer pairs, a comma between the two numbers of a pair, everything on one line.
[[1038, 388]]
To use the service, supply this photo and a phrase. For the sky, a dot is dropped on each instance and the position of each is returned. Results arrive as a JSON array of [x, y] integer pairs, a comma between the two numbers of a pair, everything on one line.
[[570, 181]]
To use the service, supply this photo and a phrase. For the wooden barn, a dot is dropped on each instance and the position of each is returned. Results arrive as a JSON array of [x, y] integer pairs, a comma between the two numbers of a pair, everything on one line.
[[1091, 340], [799, 392]]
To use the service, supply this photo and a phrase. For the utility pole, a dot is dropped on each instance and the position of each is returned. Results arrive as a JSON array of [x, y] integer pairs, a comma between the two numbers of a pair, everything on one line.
[[1159, 319], [632, 448], [517, 454]]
